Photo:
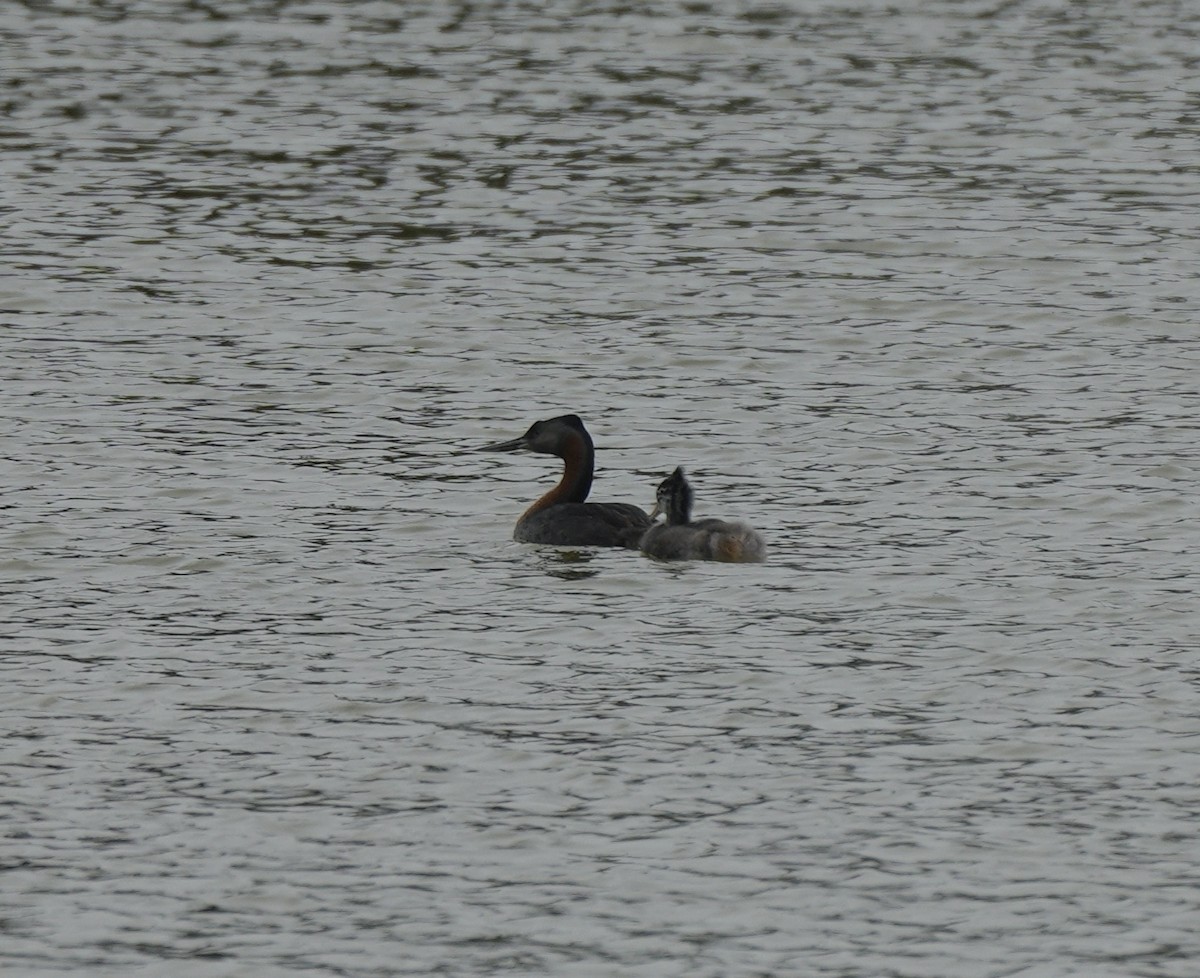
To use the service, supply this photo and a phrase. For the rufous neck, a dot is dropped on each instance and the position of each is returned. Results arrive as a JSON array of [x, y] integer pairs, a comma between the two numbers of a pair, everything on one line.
[[576, 482]]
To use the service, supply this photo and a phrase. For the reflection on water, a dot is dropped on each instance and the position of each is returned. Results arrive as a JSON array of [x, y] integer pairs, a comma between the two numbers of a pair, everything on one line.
[[569, 565], [910, 291]]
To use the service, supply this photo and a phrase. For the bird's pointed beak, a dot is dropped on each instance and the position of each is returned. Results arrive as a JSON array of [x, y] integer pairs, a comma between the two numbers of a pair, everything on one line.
[[504, 446], [655, 511]]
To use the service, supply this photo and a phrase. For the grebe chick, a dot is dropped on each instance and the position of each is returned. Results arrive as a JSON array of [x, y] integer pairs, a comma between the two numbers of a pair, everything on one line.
[[680, 539], [561, 516]]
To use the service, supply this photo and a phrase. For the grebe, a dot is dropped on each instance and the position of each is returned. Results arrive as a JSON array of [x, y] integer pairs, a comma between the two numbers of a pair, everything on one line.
[[680, 539], [561, 516]]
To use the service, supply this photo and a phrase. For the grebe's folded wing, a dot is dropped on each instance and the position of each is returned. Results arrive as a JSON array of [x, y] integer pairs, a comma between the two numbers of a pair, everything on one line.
[[585, 525]]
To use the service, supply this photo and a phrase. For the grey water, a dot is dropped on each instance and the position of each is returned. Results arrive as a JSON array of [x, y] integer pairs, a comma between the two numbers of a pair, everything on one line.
[[910, 288]]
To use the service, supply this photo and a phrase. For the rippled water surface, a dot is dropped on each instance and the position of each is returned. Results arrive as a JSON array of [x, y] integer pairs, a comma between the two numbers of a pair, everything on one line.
[[912, 288]]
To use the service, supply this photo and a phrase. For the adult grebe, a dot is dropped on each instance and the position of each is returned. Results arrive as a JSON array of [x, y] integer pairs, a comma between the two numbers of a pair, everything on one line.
[[561, 516], [680, 539]]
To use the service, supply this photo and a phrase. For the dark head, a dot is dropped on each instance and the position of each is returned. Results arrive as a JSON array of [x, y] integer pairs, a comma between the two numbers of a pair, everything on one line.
[[551, 437], [674, 498]]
